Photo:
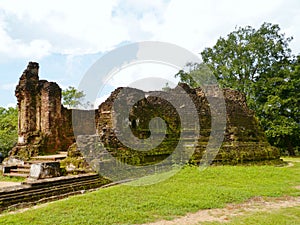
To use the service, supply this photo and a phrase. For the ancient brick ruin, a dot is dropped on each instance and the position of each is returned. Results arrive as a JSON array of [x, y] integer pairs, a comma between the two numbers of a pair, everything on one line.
[[244, 140], [45, 126]]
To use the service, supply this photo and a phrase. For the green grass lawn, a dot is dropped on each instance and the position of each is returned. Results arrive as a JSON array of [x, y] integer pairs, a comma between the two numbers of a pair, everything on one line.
[[188, 191]]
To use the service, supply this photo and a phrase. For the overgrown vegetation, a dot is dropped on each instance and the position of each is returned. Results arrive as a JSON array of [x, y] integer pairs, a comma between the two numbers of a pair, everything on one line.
[[188, 191]]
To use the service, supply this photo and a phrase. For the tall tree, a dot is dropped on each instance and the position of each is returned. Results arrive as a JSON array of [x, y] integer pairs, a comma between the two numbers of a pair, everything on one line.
[[278, 106], [246, 54]]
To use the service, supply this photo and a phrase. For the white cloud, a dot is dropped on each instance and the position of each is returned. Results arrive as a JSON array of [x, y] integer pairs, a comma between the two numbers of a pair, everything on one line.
[[197, 24], [11, 48], [83, 27], [141, 18], [130, 76]]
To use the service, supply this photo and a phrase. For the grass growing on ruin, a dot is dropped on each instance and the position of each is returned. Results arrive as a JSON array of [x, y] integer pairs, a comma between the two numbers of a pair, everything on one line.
[[187, 191]]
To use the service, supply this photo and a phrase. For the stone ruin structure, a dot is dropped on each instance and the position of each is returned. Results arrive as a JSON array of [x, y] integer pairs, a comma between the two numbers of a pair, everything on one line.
[[45, 126]]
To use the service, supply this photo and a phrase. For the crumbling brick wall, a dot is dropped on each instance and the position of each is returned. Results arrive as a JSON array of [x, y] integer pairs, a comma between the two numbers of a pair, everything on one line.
[[244, 140], [45, 126]]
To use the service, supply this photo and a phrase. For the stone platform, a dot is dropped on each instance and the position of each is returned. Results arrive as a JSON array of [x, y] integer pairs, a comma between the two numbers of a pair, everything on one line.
[[33, 192]]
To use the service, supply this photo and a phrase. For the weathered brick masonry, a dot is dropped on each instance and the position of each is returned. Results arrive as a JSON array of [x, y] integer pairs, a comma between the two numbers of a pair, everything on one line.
[[45, 126]]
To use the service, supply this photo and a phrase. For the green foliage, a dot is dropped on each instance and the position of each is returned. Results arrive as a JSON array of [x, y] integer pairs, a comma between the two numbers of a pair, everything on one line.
[[239, 60], [72, 98], [278, 104], [8, 129], [259, 63], [188, 191]]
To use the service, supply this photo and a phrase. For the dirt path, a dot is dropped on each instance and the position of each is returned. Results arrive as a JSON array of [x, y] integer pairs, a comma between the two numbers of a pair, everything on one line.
[[222, 215]]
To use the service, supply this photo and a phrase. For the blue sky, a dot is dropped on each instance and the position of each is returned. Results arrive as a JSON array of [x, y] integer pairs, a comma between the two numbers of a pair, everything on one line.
[[67, 37]]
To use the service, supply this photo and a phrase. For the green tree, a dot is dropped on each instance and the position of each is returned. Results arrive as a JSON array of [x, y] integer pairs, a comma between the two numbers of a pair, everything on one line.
[[246, 55], [278, 106], [8, 129], [72, 98]]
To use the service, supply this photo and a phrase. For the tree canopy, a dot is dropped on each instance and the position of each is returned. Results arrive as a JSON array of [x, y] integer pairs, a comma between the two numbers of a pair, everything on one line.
[[278, 106], [246, 55]]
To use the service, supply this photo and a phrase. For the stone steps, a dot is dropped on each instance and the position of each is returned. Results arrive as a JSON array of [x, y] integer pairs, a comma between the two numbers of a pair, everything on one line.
[[56, 157], [33, 192], [27, 165], [17, 170], [23, 170]]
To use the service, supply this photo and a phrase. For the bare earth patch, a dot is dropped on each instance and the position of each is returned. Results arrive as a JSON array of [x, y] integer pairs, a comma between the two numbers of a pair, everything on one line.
[[223, 215]]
